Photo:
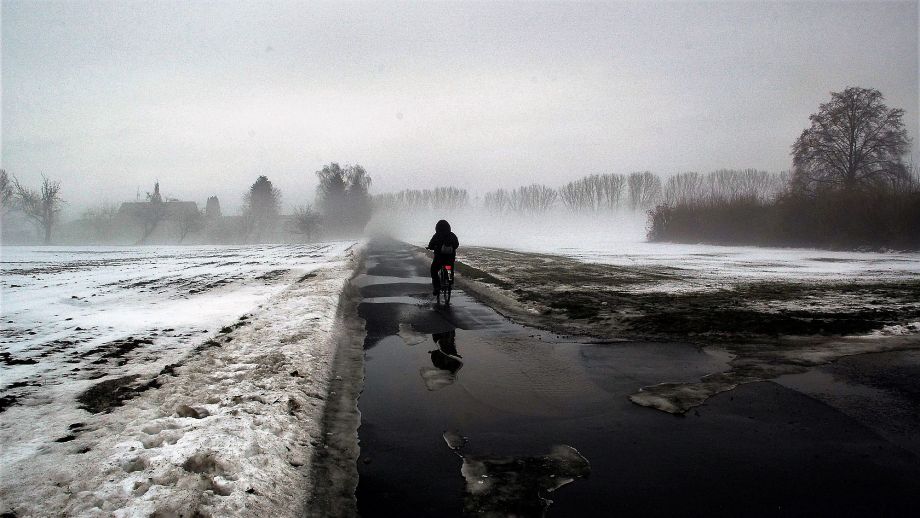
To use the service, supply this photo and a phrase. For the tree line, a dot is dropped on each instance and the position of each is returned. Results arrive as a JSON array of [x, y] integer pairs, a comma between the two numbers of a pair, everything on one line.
[[592, 193], [849, 188], [342, 209], [637, 191]]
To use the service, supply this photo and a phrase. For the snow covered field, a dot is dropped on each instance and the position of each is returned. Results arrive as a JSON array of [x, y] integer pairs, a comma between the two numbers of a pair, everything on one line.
[[620, 239], [237, 340]]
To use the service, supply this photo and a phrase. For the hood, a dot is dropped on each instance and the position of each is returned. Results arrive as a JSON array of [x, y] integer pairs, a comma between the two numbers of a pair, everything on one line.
[[442, 226]]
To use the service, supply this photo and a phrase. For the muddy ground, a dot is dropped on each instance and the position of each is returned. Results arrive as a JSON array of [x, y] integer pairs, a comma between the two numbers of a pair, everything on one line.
[[603, 300], [770, 328]]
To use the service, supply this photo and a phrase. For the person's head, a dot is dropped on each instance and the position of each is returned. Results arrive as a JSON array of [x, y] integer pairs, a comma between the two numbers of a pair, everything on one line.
[[442, 226]]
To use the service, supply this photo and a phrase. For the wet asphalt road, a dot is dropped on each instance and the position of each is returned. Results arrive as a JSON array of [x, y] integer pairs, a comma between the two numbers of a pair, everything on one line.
[[515, 393]]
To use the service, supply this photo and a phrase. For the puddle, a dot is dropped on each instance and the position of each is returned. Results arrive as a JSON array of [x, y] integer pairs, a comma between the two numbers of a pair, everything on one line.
[[412, 301], [886, 402], [465, 413]]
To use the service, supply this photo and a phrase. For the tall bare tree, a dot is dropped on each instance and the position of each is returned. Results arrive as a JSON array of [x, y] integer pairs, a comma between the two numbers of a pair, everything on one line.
[[644, 190], [497, 201], [532, 199], [6, 193], [855, 141], [42, 207], [683, 188]]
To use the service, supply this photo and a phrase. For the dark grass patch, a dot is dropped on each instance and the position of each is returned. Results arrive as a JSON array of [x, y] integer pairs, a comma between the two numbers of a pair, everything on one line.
[[744, 322], [7, 401], [271, 275], [117, 348], [106, 395], [9, 359], [21, 384], [480, 275], [576, 305], [595, 299]]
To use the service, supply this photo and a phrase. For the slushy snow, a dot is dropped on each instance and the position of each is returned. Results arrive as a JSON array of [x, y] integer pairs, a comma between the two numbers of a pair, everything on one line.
[[165, 381]]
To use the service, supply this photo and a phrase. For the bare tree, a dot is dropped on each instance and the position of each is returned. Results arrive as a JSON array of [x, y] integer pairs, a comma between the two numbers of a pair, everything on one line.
[[568, 193], [6, 193], [610, 187], [683, 189], [305, 222], [448, 198], [581, 194], [644, 190], [497, 201], [532, 199], [855, 141], [41, 207]]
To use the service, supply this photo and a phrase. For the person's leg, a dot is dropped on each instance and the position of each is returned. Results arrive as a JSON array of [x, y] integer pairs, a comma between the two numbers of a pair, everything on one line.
[[435, 283]]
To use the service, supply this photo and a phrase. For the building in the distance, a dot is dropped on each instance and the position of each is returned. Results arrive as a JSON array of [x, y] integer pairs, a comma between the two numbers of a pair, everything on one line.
[[156, 209]]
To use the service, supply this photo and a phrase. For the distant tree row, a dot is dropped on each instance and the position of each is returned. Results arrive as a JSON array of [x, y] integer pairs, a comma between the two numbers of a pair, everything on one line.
[[723, 185], [343, 208], [410, 200], [637, 191], [849, 188]]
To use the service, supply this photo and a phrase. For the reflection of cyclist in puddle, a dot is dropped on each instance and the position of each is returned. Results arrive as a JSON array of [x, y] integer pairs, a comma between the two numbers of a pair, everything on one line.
[[446, 357], [446, 361], [447, 342]]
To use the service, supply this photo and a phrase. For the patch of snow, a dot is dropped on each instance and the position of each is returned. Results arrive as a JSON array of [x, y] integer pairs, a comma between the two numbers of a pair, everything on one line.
[[910, 328], [210, 364]]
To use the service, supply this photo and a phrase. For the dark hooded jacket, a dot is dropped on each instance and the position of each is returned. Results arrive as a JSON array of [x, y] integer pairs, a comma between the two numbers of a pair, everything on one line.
[[443, 243]]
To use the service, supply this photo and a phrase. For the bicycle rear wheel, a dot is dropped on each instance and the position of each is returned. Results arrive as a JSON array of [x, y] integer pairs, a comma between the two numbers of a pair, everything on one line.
[[444, 292]]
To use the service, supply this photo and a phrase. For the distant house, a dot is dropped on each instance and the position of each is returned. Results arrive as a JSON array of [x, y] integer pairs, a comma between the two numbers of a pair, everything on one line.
[[157, 209], [171, 209]]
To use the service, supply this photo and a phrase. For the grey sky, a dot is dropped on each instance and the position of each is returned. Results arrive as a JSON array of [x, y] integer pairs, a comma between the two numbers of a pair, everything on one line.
[[204, 97]]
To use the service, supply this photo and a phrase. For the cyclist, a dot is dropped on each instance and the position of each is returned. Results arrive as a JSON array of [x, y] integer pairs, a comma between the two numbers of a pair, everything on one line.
[[444, 244]]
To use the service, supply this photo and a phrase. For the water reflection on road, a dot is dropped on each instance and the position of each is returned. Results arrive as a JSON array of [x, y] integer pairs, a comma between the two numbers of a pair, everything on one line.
[[530, 412]]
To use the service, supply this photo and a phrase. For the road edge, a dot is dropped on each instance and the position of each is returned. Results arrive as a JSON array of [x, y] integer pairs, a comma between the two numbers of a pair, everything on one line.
[[334, 469]]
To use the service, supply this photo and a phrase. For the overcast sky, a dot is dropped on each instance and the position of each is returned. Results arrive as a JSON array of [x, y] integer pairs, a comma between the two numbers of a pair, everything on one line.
[[109, 96]]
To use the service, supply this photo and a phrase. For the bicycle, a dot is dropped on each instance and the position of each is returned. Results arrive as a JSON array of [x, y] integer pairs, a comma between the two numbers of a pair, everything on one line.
[[446, 280]]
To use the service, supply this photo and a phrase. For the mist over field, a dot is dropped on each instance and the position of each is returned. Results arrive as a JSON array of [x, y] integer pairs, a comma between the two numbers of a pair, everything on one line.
[[109, 98], [549, 231], [311, 258]]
